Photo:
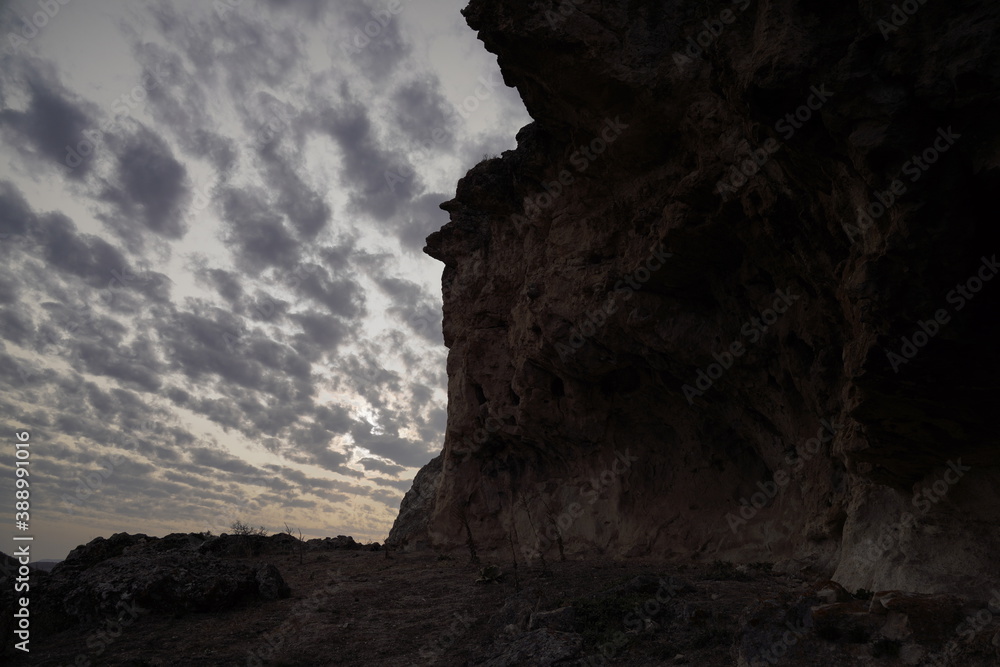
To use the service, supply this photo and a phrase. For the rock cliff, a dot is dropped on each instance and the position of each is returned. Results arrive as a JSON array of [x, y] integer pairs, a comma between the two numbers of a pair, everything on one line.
[[732, 295]]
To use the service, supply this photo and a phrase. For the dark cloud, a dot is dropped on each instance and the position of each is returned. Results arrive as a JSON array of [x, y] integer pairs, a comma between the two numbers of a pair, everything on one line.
[[200, 345], [413, 306], [99, 360], [16, 216], [222, 461], [423, 114], [257, 235], [341, 296], [325, 331], [226, 283], [422, 217], [366, 164], [367, 36], [335, 419], [392, 447], [366, 377], [87, 257], [381, 466], [303, 206], [52, 124], [388, 498], [151, 187]]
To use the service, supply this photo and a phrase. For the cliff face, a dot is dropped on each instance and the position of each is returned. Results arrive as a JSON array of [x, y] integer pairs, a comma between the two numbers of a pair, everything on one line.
[[731, 296]]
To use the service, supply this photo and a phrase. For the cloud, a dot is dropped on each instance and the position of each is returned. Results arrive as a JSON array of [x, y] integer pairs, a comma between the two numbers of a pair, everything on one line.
[[226, 283], [151, 187], [423, 114], [303, 207], [51, 123], [366, 163], [401, 451], [325, 331], [342, 296], [420, 219], [368, 37], [84, 256], [16, 216], [257, 236], [415, 307], [381, 466]]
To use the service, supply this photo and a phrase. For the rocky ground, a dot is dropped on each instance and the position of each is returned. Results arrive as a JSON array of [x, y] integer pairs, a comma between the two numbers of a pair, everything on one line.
[[354, 606]]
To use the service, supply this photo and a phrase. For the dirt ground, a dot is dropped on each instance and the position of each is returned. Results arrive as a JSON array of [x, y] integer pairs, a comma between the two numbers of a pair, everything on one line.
[[359, 608]]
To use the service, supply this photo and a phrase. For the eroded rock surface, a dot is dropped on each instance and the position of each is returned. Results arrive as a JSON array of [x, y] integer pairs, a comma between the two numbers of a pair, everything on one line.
[[731, 300]]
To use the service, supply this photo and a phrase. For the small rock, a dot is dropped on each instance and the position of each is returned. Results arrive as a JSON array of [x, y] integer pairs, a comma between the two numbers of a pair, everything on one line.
[[270, 584], [831, 592]]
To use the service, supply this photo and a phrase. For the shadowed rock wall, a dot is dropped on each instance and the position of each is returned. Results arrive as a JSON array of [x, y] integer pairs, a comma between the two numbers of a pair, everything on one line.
[[676, 312]]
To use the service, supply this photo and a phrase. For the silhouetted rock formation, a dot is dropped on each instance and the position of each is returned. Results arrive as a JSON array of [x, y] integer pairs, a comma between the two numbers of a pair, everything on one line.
[[730, 297], [132, 575], [415, 508]]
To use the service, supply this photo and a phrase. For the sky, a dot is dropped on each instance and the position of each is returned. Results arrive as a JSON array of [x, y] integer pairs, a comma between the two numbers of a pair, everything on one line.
[[213, 304]]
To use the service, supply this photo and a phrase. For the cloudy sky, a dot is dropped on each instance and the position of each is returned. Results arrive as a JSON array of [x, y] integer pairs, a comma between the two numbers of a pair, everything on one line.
[[214, 304]]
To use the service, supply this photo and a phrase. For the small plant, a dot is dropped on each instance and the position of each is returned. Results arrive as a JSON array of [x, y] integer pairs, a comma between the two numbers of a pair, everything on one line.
[[243, 529], [460, 513], [300, 544], [246, 534]]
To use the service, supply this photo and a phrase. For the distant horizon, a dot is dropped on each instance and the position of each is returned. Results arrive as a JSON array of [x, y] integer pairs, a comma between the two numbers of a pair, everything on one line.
[[270, 533]]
